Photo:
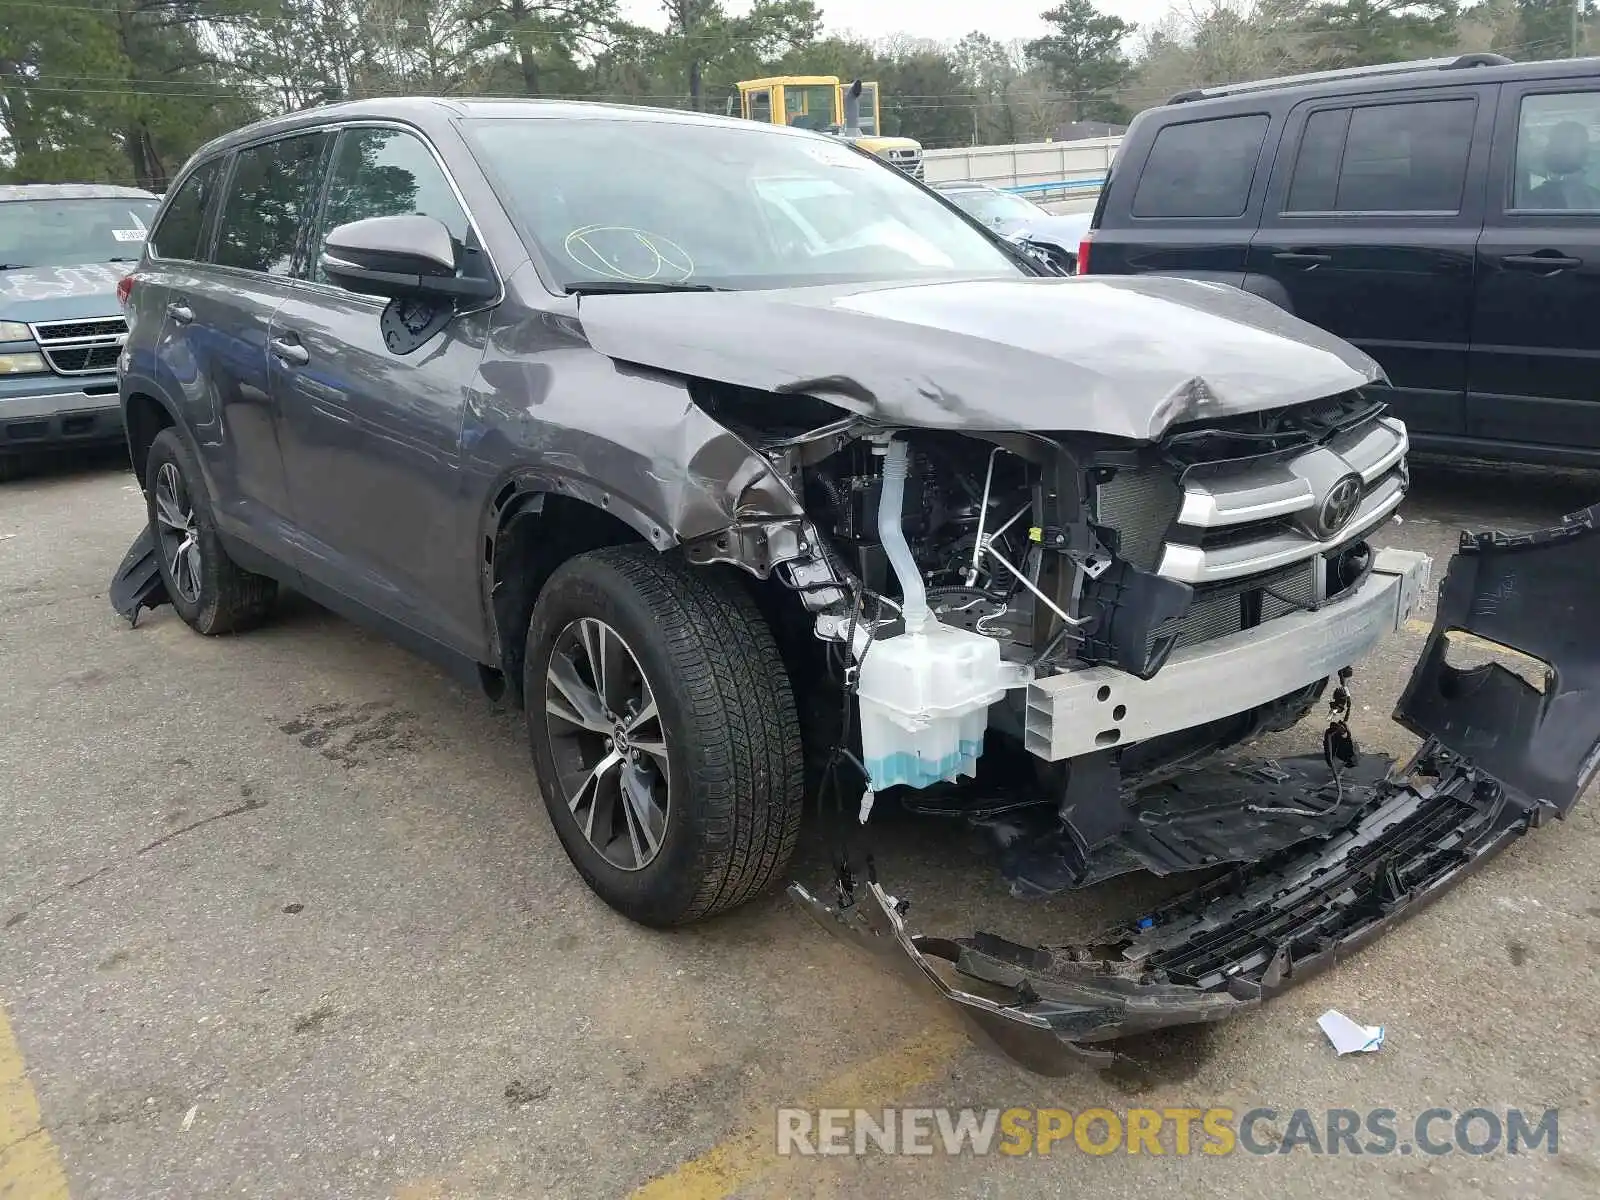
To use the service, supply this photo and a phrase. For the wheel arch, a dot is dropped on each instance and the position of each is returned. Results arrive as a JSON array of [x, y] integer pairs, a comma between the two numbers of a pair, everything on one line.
[[535, 522], [145, 415]]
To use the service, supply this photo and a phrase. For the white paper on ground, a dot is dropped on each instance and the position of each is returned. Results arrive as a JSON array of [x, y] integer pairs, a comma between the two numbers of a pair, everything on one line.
[[1346, 1035]]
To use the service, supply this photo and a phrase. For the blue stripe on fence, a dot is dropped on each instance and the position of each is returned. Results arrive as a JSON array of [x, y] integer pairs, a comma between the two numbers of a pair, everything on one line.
[[1062, 185]]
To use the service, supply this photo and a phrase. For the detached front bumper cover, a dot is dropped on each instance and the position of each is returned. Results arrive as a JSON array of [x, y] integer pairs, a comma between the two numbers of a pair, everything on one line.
[[1500, 755]]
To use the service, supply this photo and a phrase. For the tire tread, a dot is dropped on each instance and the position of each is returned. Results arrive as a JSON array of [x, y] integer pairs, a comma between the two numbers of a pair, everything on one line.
[[750, 782]]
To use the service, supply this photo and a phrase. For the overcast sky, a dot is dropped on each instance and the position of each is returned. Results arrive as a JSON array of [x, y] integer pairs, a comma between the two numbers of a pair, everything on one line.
[[942, 20]]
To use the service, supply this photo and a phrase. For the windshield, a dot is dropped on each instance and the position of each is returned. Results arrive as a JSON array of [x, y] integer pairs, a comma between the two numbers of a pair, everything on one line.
[[993, 206], [73, 233], [728, 206]]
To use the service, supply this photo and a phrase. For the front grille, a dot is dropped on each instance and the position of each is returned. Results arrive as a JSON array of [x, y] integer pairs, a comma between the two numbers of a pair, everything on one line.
[[1246, 531], [1241, 517], [907, 160], [81, 347]]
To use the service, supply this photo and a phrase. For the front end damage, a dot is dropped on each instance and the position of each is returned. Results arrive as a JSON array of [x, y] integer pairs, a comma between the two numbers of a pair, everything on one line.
[[1500, 753]]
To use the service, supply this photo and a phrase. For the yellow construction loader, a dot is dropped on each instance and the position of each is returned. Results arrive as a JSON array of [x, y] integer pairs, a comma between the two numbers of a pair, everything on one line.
[[822, 102]]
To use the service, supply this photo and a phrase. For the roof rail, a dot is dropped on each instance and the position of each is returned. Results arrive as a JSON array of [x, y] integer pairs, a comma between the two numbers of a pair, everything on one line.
[[1415, 66]]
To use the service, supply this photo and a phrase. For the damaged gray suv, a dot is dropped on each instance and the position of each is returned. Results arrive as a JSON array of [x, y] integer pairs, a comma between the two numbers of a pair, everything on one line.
[[749, 468]]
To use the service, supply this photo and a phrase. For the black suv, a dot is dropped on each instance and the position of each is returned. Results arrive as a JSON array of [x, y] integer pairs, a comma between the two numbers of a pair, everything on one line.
[[1442, 215]]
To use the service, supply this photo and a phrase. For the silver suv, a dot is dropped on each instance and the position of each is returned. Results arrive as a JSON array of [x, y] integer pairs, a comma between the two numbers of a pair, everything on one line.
[[564, 397]]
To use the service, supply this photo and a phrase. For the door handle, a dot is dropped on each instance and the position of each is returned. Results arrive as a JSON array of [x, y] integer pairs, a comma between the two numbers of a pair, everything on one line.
[[291, 353], [180, 312], [1545, 260], [1309, 257]]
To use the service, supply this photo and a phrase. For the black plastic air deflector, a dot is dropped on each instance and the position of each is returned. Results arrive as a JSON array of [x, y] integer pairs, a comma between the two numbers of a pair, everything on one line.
[[1536, 593]]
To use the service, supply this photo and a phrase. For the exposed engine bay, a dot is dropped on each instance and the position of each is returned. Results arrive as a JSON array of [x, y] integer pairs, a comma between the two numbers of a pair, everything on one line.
[[1196, 591], [1034, 630]]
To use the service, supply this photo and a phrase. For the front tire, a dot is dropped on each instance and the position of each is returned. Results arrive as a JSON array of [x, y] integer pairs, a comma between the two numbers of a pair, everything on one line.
[[664, 735], [209, 591]]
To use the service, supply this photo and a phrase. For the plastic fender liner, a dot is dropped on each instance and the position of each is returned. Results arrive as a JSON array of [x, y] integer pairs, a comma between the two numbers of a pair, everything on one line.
[[1535, 593], [1499, 754], [137, 583]]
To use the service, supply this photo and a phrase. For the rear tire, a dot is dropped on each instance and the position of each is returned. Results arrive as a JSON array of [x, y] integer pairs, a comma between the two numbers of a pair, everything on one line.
[[720, 760], [210, 592]]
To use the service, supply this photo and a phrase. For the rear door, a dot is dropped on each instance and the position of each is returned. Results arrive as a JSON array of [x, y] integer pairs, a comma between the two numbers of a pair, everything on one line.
[[1534, 374], [1189, 207], [372, 436], [214, 342], [1371, 227]]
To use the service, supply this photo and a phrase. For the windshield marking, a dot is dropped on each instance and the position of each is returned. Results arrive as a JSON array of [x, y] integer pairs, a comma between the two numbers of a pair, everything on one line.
[[661, 254]]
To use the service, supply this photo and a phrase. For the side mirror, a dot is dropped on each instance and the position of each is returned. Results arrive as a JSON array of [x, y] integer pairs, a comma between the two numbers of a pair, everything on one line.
[[400, 257]]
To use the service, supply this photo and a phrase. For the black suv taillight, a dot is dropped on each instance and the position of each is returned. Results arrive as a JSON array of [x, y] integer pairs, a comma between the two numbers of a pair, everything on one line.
[[1083, 258], [124, 292]]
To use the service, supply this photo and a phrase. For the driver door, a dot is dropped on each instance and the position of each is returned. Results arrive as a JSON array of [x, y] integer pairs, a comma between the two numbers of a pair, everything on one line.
[[371, 438]]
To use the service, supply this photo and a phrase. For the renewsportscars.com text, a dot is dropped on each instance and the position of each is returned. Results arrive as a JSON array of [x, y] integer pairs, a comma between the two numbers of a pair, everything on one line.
[[1166, 1131]]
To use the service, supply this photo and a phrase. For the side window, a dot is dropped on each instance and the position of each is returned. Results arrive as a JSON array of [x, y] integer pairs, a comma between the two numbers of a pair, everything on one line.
[[1557, 167], [179, 232], [1201, 168], [1315, 187], [273, 193], [761, 106], [386, 173], [1385, 158]]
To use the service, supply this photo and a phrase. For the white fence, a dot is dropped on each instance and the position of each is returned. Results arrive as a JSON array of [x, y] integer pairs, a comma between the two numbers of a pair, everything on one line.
[[1042, 170]]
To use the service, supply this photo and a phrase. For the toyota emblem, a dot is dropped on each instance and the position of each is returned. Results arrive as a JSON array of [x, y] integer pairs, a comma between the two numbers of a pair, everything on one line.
[[1339, 505]]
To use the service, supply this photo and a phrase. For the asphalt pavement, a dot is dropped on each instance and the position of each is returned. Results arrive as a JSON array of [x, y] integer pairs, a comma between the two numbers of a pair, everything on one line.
[[281, 916]]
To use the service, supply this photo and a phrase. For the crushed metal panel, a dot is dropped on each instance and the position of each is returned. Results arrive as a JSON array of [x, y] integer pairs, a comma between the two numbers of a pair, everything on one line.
[[1127, 357], [626, 439], [1535, 593]]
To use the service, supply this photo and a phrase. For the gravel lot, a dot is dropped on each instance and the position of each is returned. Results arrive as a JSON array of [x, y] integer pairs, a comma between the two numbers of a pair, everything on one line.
[[281, 916]]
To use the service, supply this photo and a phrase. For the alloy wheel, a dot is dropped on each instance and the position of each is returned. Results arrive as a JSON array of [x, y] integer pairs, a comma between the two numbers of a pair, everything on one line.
[[177, 532], [608, 744]]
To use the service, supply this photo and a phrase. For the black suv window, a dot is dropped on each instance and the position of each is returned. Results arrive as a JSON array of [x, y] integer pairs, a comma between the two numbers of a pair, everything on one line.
[[1558, 165], [386, 173], [274, 190], [179, 232], [1201, 168], [1407, 157]]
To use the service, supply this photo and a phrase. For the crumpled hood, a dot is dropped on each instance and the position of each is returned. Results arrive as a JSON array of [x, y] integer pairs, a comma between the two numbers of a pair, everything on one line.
[[1125, 356], [61, 293]]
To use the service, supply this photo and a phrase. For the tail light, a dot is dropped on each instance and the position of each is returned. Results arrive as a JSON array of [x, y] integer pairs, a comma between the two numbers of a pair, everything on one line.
[[1083, 257], [124, 292]]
